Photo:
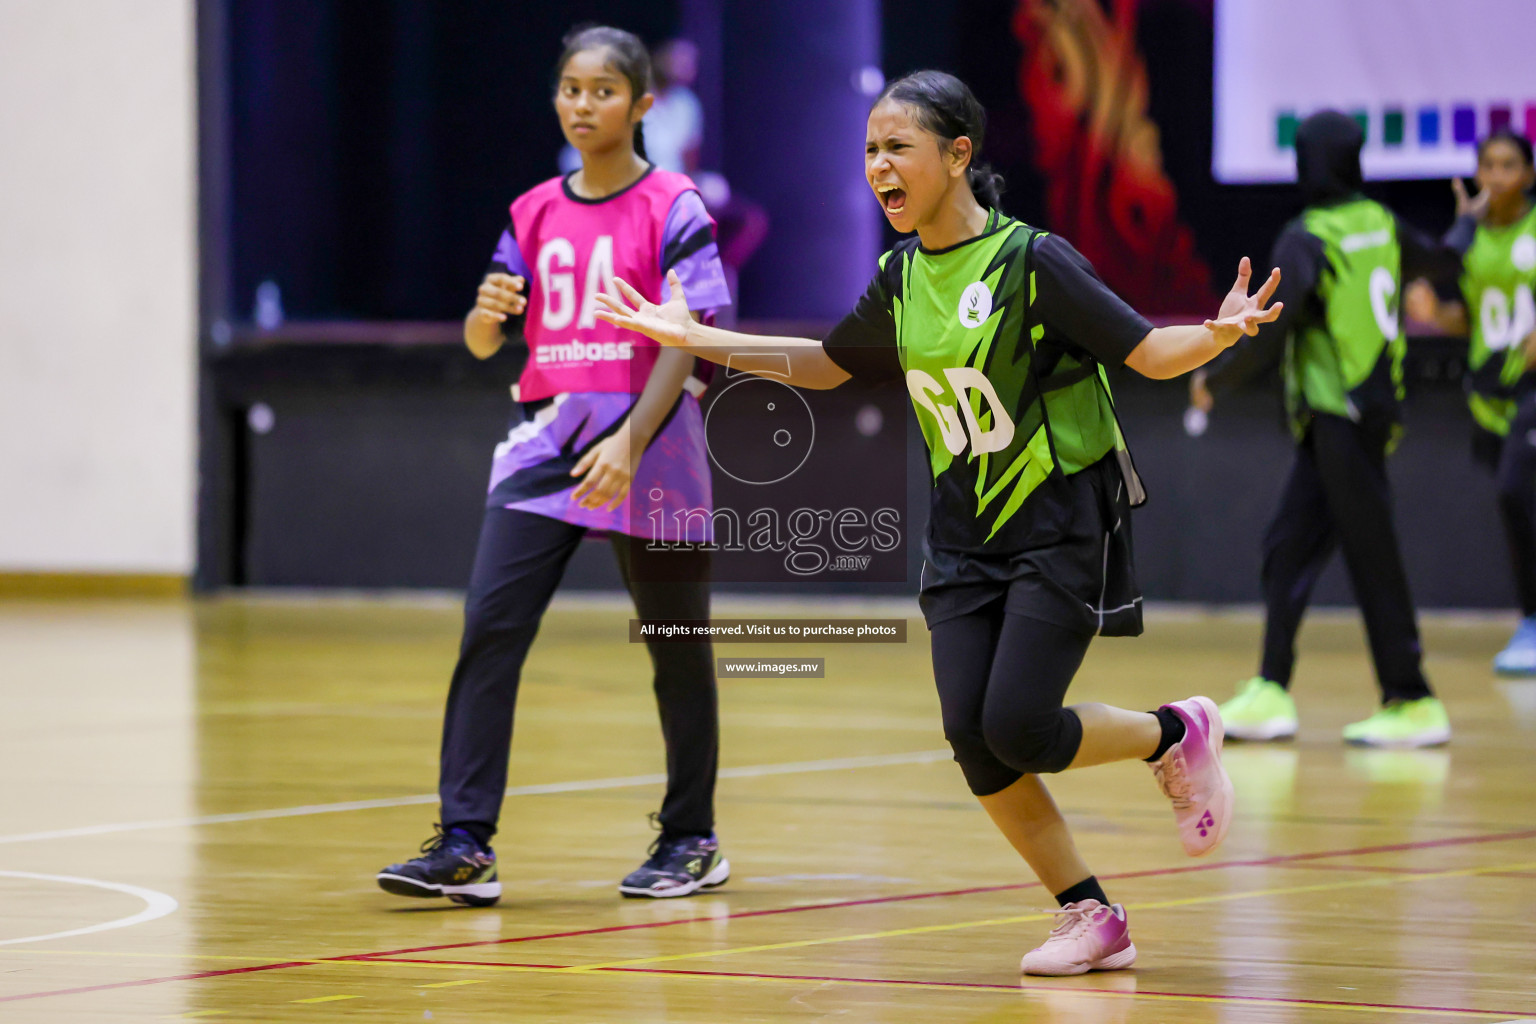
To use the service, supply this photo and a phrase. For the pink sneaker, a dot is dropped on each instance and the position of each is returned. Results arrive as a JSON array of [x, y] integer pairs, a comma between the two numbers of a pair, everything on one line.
[[1190, 774], [1088, 937]]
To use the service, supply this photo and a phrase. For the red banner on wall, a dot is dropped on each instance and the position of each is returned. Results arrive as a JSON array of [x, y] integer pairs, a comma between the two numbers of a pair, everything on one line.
[[1085, 85]]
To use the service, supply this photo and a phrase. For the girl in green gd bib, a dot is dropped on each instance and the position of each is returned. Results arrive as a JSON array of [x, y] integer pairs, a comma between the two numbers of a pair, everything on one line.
[[1002, 333], [1340, 344], [1498, 315]]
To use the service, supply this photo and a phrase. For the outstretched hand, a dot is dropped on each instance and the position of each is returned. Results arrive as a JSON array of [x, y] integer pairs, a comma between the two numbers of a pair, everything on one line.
[[666, 323], [1242, 313], [1466, 205]]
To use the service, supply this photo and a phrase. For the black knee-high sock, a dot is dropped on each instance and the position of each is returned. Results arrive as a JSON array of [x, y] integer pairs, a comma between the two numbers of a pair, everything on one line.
[[1173, 731], [1088, 889]]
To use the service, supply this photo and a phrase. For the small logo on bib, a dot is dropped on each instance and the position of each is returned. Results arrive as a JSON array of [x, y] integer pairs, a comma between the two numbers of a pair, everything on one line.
[[975, 305], [1523, 255]]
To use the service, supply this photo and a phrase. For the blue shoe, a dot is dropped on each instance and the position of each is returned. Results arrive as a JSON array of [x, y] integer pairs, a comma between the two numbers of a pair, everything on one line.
[[451, 864], [1519, 658], [678, 866]]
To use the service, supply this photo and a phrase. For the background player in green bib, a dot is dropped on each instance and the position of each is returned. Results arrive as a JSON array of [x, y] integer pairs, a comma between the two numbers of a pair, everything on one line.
[[1343, 261], [1498, 315], [1001, 334]]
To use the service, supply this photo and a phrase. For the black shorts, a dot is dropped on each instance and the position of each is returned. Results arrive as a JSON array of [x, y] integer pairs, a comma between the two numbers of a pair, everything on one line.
[[1083, 579]]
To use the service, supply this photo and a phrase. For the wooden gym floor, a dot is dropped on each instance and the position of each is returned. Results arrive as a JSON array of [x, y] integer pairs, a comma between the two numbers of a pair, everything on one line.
[[197, 794]]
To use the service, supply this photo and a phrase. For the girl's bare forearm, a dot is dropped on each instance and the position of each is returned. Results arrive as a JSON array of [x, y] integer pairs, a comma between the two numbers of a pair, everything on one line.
[[1171, 351], [661, 390], [482, 335], [798, 361]]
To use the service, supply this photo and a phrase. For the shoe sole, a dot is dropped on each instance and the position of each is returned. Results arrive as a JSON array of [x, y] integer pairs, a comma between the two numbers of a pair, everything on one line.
[[715, 878], [479, 894], [1114, 962], [1433, 738], [1222, 799], [1262, 732]]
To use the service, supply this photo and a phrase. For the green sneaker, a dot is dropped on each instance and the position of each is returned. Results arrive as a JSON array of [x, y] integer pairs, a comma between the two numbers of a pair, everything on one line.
[[1404, 723], [1262, 710]]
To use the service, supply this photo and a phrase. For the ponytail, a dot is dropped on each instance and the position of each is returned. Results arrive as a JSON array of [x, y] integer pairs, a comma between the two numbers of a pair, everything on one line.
[[986, 185]]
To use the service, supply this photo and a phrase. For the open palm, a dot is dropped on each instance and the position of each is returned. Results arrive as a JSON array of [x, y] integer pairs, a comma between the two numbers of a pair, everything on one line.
[[1242, 313], [666, 323], [1470, 205]]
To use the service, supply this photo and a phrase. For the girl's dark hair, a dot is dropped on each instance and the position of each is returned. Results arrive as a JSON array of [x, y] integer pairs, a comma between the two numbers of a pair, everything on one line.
[[947, 108], [1512, 137], [626, 54]]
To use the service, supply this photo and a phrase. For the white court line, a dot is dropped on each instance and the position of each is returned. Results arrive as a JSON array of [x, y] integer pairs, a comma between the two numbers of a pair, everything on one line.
[[158, 904], [584, 785], [726, 602]]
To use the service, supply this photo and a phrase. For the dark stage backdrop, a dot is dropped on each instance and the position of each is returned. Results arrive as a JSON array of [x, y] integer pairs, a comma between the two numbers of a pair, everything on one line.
[[376, 145]]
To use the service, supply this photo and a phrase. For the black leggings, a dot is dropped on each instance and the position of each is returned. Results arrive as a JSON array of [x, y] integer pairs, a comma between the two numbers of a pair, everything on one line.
[[1338, 496], [1002, 679], [1516, 478], [518, 564]]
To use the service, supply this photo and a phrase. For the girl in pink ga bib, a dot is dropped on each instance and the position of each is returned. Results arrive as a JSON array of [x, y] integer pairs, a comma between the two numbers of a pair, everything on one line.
[[605, 413]]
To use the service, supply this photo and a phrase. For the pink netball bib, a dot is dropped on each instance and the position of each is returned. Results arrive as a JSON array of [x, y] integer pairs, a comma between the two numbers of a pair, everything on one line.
[[570, 249]]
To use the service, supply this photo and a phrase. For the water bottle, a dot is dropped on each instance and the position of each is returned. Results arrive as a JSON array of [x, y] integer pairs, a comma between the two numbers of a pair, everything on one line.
[[269, 306]]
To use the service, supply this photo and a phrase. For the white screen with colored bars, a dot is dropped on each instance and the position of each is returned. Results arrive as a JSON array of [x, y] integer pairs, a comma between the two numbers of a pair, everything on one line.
[[1426, 78]]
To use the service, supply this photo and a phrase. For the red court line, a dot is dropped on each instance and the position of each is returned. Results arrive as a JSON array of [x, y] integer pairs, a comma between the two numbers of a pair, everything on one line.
[[1382, 870], [459, 963], [982, 986], [1200, 996], [151, 981], [690, 920], [1209, 866], [705, 974], [1368, 868], [1287, 858]]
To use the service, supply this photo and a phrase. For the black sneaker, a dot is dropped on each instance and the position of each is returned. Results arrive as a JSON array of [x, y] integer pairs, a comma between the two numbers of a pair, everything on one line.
[[451, 864], [678, 866]]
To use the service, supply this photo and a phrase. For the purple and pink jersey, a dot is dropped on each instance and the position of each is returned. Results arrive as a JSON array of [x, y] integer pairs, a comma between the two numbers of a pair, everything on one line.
[[583, 374]]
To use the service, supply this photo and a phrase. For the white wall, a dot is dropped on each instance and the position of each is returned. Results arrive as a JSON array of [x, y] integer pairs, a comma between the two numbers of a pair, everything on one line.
[[98, 253]]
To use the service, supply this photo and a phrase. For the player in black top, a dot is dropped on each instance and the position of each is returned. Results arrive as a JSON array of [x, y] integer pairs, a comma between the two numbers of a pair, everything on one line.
[[1001, 334]]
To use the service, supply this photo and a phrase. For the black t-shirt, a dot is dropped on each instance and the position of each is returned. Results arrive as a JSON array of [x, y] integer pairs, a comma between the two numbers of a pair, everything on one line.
[[1062, 552], [1077, 308]]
